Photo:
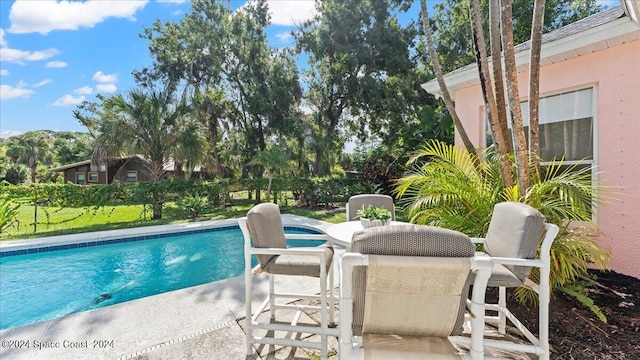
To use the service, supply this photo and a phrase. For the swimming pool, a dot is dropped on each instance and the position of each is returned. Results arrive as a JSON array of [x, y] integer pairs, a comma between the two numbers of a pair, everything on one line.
[[51, 284]]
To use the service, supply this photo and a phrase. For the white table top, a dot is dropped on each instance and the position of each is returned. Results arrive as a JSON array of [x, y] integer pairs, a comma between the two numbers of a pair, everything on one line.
[[342, 233]]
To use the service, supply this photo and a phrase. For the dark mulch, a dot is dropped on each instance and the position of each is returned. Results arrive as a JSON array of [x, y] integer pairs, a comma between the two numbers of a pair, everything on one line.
[[576, 332]]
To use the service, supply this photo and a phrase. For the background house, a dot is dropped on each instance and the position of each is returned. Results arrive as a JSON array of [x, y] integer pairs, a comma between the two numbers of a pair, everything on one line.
[[126, 169], [589, 109]]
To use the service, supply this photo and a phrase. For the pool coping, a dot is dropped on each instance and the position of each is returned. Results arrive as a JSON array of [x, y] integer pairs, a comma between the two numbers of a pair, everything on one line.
[[80, 240]]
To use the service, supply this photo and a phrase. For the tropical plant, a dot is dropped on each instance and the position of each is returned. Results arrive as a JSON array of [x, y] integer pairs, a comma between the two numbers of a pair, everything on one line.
[[194, 203], [448, 187], [374, 213], [8, 214]]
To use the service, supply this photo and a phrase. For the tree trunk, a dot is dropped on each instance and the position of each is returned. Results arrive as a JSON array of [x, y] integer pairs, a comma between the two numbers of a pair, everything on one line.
[[488, 94], [269, 189], [534, 80], [317, 163], [443, 87], [517, 126], [498, 76]]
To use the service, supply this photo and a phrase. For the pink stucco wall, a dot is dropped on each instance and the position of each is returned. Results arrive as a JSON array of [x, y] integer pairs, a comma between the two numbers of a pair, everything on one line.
[[615, 75]]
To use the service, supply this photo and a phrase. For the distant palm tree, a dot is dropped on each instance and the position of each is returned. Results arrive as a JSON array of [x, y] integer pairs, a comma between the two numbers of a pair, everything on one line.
[[446, 186], [154, 124]]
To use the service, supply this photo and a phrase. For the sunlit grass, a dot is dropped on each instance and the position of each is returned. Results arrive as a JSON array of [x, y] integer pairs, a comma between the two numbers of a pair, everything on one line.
[[68, 220]]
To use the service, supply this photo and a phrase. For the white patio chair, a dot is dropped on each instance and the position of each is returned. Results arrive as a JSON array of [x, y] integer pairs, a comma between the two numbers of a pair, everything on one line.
[[356, 202], [264, 237], [515, 233], [403, 294]]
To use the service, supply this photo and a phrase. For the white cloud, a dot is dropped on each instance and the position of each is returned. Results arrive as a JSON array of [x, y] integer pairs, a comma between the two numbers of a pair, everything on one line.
[[107, 88], [10, 92], [4, 72], [104, 78], [46, 15], [68, 100], [172, 1], [284, 36], [85, 90], [56, 64], [9, 133], [19, 56], [291, 12], [41, 83], [2, 41]]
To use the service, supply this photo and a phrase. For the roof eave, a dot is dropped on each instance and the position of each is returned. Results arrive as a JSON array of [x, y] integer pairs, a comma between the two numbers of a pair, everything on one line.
[[608, 35]]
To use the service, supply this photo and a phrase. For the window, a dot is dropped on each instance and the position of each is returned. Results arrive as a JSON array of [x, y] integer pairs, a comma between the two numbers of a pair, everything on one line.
[[93, 177], [566, 127], [102, 168], [132, 176], [80, 178]]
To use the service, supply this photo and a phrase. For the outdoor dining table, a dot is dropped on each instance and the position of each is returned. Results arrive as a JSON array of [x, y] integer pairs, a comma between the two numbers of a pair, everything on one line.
[[341, 233]]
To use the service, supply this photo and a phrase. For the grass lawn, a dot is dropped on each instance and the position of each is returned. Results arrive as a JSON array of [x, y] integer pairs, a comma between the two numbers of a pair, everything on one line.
[[59, 221]]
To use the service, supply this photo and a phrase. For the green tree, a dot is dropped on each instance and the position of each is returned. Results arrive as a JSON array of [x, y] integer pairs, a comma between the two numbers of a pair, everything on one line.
[[72, 147], [153, 123], [30, 148], [360, 58]]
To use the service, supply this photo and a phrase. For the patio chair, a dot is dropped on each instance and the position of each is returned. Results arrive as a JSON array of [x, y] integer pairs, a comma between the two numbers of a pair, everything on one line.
[[512, 241], [403, 292], [264, 237], [356, 202]]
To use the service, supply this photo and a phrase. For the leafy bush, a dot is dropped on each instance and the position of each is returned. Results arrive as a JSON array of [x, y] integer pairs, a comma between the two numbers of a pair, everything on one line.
[[448, 187]]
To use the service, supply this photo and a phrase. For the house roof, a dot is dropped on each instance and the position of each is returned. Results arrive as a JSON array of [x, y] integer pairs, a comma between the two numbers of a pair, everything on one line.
[[614, 26], [168, 166]]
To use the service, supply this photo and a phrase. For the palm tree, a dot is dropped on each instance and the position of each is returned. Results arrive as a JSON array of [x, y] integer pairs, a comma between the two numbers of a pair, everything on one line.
[[30, 149], [446, 186], [153, 124]]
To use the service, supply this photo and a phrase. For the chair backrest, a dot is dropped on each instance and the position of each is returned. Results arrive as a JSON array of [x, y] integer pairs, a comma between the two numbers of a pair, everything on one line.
[[356, 202], [417, 241], [515, 231], [265, 226]]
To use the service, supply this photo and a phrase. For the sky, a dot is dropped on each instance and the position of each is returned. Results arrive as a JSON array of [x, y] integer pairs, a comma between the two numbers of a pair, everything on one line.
[[54, 54]]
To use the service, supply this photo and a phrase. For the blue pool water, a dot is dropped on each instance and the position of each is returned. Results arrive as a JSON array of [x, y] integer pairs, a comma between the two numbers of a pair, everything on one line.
[[48, 285]]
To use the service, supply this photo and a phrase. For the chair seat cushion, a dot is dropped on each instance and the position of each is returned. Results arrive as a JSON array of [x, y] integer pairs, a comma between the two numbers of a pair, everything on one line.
[[379, 347], [501, 275], [301, 265]]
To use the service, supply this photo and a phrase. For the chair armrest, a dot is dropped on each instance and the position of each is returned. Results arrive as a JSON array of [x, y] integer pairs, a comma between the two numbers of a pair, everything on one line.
[[518, 261], [477, 240], [288, 251], [310, 237]]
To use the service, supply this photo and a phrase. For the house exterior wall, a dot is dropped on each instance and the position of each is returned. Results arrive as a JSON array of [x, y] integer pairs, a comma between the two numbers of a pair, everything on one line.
[[615, 77]]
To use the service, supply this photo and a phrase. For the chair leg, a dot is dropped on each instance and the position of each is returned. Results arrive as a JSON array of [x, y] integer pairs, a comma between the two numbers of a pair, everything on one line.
[[502, 302], [332, 322], [323, 312], [248, 325], [543, 315], [272, 297]]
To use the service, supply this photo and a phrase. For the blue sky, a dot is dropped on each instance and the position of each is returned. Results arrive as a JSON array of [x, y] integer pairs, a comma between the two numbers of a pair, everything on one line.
[[55, 53]]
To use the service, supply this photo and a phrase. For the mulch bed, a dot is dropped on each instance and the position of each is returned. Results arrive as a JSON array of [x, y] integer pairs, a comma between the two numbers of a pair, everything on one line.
[[576, 332]]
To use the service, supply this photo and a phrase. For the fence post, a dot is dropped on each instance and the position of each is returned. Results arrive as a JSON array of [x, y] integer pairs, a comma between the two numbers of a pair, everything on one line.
[[35, 211]]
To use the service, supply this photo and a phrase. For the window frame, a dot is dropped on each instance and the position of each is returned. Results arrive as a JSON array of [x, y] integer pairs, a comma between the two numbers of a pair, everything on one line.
[[593, 162], [78, 174], [127, 179], [90, 173]]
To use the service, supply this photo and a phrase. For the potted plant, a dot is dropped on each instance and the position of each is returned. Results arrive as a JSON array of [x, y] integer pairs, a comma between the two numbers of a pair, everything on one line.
[[373, 216]]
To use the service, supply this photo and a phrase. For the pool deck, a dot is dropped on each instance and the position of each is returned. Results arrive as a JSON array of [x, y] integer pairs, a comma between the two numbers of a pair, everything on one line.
[[200, 322]]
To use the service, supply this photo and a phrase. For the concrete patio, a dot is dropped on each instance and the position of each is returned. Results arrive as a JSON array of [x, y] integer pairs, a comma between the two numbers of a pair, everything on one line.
[[201, 322]]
